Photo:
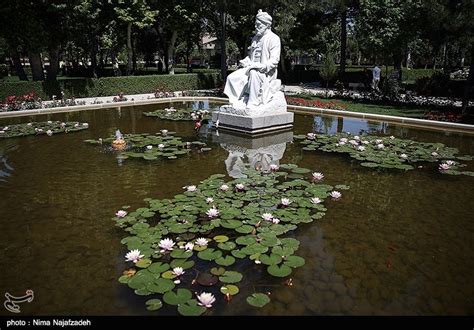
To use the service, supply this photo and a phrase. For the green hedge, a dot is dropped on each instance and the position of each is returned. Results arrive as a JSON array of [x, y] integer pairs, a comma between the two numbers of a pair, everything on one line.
[[110, 86]]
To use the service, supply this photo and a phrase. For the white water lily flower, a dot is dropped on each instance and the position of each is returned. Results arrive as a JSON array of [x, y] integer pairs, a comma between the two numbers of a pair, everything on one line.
[[380, 146], [342, 143], [166, 244], [361, 148], [357, 137], [224, 187], [276, 221], [311, 136], [85, 124], [6, 128], [267, 216], [161, 146], [344, 140], [392, 137], [378, 141], [450, 163], [434, 154], [50, 122], [239, 186], [354, 142], [206, 299], [29, 124], [164, 131], [209, 200], [335, 194], [212, 213], [365, 142], [274, 167], [121, 213], [178, 271], [201, 241], [285, 202], [40, 130], [49, 132], [149, 147], [190, 188], [2, 132], [134, 255], [189, 246], [76, 125], [176, 281], [318, 176], [404, 156], [316, 200], [444, 167], [63, 125]]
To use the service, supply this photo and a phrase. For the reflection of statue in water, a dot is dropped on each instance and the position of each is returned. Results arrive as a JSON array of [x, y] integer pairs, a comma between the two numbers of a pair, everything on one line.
[[241, 158], [254, 89]]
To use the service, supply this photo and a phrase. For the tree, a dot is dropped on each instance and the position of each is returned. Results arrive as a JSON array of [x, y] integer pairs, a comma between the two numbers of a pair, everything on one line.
[[134, 14], [329, 70]]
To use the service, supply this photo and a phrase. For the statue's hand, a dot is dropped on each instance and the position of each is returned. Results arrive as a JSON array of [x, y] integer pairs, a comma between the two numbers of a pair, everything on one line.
[[245, 62]]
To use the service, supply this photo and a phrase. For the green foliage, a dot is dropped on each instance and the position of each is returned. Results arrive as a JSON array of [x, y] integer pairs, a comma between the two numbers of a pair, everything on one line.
[[329, 70], [110, 86]]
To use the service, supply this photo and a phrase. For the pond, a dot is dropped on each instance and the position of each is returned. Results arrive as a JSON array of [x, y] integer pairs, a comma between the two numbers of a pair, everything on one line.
[[396, 243]]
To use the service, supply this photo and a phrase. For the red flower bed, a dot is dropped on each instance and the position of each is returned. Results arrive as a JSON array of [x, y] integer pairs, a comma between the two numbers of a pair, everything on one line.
[[315, 103]]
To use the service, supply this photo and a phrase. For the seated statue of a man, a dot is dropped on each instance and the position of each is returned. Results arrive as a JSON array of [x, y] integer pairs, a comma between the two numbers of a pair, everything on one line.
[[256, 82]]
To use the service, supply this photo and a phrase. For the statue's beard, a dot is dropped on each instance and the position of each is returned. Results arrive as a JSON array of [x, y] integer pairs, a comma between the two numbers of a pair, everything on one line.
[[260, 32]]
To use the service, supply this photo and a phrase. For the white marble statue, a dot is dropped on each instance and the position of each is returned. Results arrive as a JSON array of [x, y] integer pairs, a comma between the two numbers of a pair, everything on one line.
[[254, 88]]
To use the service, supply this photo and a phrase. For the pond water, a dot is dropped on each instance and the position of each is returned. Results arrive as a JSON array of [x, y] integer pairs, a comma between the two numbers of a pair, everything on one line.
[[397, 243]]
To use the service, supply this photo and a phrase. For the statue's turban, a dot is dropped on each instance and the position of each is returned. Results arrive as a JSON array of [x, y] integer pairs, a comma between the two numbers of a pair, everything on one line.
[[264, 17]]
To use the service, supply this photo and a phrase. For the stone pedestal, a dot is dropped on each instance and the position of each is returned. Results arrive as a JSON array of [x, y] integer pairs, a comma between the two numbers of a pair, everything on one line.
[[260, 120]]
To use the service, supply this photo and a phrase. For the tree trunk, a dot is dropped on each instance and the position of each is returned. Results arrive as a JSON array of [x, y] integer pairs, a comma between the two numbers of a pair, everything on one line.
[[36, 66], [17, 65], [171, 49], [53, 63], [134, 55], [94, 51], [397, 65], [129, 49], [468, 85], [223, 45], [359, 57], [115, 64], [408, 59], [342, 66]]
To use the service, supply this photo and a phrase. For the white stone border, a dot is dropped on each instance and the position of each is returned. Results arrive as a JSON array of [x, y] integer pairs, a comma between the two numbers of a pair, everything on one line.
[[420, 123]]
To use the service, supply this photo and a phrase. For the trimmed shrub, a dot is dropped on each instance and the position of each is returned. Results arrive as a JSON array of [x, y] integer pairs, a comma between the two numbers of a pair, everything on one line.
[[90, 87]]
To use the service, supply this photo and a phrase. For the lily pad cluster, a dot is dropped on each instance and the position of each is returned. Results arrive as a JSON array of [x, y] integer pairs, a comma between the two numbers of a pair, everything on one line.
[[194, 249], [388, 152], [163, 145], [179, 114], [39, 128]]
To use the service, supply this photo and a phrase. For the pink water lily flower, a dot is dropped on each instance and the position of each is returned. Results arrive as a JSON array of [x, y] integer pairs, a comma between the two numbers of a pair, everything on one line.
[[267, 216], [212, 212], [121, 213]]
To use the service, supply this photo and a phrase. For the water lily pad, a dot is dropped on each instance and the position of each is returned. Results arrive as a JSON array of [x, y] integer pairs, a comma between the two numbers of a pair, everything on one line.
[[154, 304], [294, 261], [158, 267], [238, 254], [143, 263], [142, 292], [168, 274], [191, 308], [161, 285], [225, 261], [185, 264], [217, 271], [221, 238], [300, 170], [124, 279], [269, 260], [279, 270], [209, 254], [207, 279], [231, 277], [227, 246], [245, 240], [245, 229], [179, 297], [230, 289], [258, 300], [181, 254]]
